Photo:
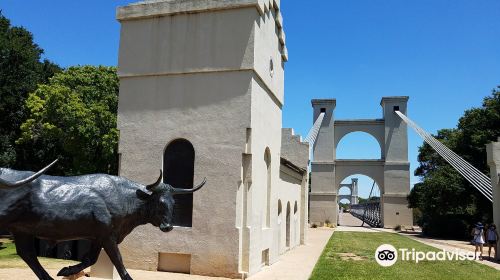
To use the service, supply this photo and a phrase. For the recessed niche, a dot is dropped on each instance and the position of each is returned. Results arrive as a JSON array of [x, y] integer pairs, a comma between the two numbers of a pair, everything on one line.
[[271, 67]]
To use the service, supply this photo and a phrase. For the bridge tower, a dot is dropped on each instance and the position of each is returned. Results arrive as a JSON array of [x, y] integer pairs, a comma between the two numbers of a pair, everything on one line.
[[493, 150], [323, 204], [354, 193], [353, 196], [391, 172]]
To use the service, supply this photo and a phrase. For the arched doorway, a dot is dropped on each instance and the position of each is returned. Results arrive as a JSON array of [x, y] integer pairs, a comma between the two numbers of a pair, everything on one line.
[[178, 171], [288, 225], [368, 206]]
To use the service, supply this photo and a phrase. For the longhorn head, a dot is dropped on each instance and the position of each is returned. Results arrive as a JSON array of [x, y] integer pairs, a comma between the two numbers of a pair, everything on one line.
[[155, 186]]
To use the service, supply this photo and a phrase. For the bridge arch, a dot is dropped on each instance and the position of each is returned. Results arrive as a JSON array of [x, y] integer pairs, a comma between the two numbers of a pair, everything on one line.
[[373, 169], [366, 146], [344, 200], [345, 187], [373, 128]]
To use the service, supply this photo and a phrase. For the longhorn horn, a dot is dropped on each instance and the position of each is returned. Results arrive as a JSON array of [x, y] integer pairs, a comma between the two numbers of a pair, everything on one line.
[[9, 185], [187, 191], [155, 184]]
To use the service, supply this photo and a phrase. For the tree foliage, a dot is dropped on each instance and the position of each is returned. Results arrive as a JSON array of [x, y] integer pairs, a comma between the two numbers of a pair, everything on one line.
[[73, 118], [21, 70], [448, 203]]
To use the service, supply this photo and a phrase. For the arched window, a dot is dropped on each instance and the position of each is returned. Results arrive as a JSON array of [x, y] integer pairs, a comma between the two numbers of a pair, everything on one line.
[[295, 208], [178, 171], [279, 207], [267, 159]]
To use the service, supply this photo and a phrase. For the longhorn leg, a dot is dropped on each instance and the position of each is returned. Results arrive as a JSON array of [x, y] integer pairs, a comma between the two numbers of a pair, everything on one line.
[[25, 247], [114, 255], [89, 259]]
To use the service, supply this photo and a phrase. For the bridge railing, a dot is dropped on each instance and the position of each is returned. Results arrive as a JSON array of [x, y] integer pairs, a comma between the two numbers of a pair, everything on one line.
[[369, 212]]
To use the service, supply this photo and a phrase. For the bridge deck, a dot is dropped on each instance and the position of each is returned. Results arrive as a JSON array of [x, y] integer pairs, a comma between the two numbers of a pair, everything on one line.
[[348, 222]]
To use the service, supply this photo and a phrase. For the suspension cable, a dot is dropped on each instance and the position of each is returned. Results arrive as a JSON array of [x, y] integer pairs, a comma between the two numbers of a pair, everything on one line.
[[313, 132], [480, 181]]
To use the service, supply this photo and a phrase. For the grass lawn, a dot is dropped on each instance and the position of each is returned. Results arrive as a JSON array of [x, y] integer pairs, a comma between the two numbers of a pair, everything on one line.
[[9, 258], [351, 255]]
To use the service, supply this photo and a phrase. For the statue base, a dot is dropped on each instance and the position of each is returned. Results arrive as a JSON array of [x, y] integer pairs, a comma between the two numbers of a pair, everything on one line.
[[103, 268]]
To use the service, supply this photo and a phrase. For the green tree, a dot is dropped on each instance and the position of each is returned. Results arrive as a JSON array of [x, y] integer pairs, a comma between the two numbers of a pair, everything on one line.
[[21, 70], [449, 205], [73, 118]]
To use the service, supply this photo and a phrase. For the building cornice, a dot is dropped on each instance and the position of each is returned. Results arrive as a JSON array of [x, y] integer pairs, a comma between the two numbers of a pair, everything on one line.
[[292, 166], [161, 8], [331, 101], [394, 99]]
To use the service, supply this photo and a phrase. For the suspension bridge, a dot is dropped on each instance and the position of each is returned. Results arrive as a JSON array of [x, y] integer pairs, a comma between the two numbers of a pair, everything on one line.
[[370, 211]]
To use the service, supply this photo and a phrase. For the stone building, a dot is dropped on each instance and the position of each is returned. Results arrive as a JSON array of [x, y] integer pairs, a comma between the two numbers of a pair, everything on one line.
[[201, 95]]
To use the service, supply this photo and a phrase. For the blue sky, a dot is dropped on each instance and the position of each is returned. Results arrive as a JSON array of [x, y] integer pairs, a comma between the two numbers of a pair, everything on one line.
[[444, 54]]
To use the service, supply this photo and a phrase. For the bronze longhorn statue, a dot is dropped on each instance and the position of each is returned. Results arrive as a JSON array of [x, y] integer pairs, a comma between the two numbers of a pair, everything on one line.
[[101, 208]]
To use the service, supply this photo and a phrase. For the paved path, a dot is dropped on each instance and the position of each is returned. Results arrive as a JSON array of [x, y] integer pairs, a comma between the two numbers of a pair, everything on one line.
[[296, 264], [348, 222], [26, 274], [452, 246]]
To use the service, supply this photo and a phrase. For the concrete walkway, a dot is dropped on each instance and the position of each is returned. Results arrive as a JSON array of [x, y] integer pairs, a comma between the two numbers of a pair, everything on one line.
[[296, 264], [348, 222], [26, 274], [453, 245], [352, 224], [299, 263]]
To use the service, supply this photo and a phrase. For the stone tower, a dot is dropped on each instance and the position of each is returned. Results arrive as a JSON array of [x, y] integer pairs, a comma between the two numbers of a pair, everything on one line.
[[493, 159], [201, 93]]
